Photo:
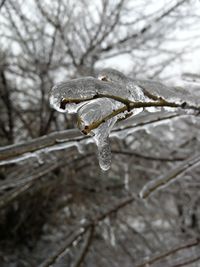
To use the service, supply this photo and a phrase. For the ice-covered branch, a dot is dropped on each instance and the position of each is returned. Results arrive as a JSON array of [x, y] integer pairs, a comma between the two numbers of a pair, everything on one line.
[[51, 140], [101, 102], [68, 138], [165, 179], [130, 105]]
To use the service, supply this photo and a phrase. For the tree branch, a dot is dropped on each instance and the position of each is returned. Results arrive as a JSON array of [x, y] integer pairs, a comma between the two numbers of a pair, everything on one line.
[[17, 152], [163, 180], [129, 105], [84, 250], [188, 245]]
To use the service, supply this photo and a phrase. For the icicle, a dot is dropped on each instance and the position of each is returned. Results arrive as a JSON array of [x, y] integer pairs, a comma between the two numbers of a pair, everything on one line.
[[104, 154], [93, 112]]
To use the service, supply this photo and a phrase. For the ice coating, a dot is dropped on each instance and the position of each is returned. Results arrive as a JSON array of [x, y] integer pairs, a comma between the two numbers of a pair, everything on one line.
[[95, 111], [104, 154], [83, 89], [147, 89], [114, 76], [173, 94], [92, 110]]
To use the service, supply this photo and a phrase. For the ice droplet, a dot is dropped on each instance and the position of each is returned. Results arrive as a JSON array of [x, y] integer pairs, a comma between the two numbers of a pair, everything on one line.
[[104, 154]]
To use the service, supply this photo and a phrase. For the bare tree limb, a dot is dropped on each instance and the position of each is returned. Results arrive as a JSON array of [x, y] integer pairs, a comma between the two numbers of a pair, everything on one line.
[[187, 262], [85, 247], [165, 179], [191, 243], [145, 28]]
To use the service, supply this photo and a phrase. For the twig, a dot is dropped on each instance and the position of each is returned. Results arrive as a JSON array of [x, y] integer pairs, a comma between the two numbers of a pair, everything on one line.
[[156, 184], [187, 262], [74, 236], [85, 248], [132, 153], [170, 252], [129, 105]]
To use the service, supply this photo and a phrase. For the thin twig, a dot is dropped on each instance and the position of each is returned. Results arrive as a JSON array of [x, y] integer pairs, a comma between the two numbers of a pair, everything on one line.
[[190, 244], [132, 153], [161, 181], [85, 248], [187, 262], [74, 236], [128, 106]]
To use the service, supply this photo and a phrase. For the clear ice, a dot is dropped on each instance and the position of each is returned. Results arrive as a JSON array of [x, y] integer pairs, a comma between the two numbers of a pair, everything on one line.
[[83, 89], [155, 88], [93, 112]]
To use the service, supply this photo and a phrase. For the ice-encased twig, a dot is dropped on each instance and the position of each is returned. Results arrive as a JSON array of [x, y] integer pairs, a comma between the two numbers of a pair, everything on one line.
[[90, 114], [37, 144], [149, 90], [164, 180], [69, 96]]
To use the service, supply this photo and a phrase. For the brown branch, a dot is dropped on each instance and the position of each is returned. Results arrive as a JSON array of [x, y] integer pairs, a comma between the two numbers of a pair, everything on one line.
[[129, 105], [163, 180], [190, 244], [85, 248], [187, 262], [74, 236]]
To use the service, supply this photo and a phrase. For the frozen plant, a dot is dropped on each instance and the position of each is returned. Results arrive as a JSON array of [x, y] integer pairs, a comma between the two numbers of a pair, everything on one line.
[[101, 102]]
